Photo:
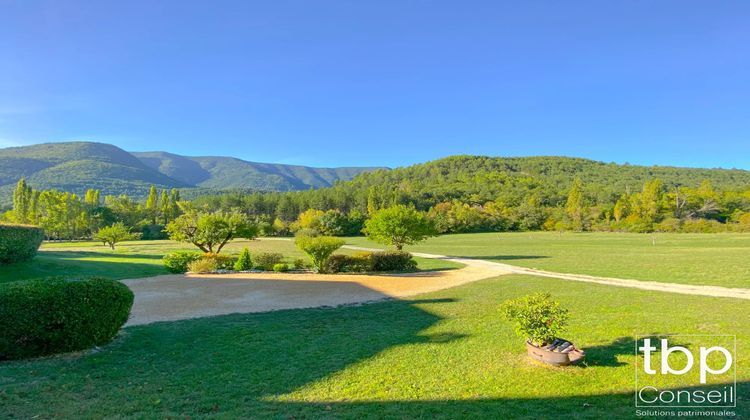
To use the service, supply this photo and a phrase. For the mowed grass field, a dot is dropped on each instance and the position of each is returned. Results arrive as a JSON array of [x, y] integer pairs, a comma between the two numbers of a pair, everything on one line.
[[700, 259], [136, 259], [446, 354]]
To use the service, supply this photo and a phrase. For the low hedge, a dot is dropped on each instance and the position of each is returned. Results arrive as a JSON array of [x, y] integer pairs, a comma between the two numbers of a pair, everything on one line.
[[56, 315], [19, 242], [359, 263], [393, 261]]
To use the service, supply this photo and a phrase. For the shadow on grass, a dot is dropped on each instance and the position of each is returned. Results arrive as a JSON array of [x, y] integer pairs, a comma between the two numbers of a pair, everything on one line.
[[72, 255], [607, 354], [74, 263], [614, 405], [236, 366]]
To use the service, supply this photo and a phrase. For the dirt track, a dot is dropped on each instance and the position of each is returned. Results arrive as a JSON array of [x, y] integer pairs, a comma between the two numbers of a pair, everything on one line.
[[174, 297]]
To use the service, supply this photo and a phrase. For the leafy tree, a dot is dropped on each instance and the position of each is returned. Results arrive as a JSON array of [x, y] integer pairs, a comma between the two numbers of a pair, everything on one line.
[[211, 231], [309, 219], [319, 248], [152, 205], [165, 207], [399, 225], [111, 235], [575, 207], [22, 201]]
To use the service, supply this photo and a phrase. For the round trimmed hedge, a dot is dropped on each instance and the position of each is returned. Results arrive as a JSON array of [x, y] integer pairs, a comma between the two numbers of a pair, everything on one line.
[[56, 315], [19, 242]]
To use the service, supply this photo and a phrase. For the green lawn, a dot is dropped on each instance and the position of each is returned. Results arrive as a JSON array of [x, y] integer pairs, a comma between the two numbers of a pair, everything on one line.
[[709, 259], [445, 354], [136, 259]]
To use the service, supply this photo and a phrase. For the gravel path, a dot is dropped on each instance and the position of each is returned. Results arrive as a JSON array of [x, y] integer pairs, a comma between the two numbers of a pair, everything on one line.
[[183, 296], [686, 289]]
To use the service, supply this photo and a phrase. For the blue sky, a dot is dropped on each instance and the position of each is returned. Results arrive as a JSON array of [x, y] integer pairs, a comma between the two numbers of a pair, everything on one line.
[[331, 83]]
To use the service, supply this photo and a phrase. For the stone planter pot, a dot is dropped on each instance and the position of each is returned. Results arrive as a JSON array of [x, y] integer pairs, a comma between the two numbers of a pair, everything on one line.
[[559, 353]]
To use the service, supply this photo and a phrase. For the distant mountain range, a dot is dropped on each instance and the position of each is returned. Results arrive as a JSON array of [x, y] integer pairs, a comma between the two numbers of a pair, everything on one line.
[[77, 166]]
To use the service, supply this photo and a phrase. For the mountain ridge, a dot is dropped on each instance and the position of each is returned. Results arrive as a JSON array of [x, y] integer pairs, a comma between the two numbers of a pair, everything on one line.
[[77, 166]]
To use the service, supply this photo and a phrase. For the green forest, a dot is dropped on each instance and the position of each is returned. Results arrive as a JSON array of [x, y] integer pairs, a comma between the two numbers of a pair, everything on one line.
[[458, 194]]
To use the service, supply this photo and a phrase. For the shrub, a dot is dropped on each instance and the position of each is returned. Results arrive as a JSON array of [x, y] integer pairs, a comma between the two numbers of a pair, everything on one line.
[[398, 226], [300, 264], [112, 235], [244, 262], [47, 316], [203, 266], [280, 268], [19, 242], [358, 263], [319, 249], [177, 262], [538, 318], [393, 261], [702, 226], [222, 262], [266, 260], [153, 232]]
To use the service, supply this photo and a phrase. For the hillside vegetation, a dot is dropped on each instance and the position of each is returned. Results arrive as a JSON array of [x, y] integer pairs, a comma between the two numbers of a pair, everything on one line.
[[478, 193], [77, 166]]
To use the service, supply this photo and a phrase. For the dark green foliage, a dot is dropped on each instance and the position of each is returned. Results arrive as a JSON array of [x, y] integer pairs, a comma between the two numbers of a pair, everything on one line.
[[244, 261], [177, 262], [19, 242], [393, 261], [41, 317], [266, 260], [299, 264], [538, 318], [359, 263], [153, 232]]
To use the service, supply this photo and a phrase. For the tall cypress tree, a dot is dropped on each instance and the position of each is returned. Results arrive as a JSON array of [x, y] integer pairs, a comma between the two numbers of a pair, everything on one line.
[[22, 201], [152, 204]]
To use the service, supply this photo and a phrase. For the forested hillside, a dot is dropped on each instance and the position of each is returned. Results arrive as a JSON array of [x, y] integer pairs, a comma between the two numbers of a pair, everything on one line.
[[78, 166], [458, 194], [475, 193]]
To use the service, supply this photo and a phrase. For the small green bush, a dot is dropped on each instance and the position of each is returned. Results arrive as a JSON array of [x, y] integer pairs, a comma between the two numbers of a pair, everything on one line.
[[203, 266], [244, 262], [266, 260], [319, 249], [222, 261], [47, 316], [393, 261], [300, 264], [19, 242], [280, 268], [177, 262], [538, 318], [358, 263]]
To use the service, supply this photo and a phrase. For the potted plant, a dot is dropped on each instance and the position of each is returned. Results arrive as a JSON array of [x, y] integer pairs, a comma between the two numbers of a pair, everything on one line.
[[540, 320]]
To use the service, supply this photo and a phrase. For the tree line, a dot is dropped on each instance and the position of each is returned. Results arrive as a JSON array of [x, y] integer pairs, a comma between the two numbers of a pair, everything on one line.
[[65, 215], [459, 194]]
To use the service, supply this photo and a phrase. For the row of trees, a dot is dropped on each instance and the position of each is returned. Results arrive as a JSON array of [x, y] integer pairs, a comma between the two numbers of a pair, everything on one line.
[[65, 215], [335, 212]]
